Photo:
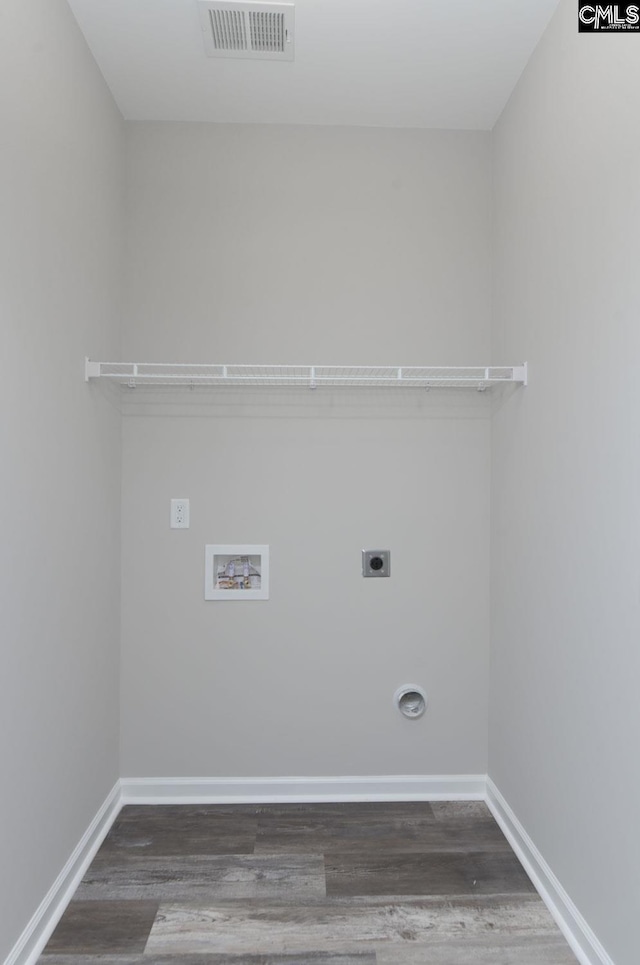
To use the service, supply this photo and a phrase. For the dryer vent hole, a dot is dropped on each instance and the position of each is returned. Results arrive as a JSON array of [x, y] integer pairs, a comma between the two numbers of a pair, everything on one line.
[[411, 701]]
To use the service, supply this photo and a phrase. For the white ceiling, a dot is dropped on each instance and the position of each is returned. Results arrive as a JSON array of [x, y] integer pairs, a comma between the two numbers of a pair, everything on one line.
[[397, 63]]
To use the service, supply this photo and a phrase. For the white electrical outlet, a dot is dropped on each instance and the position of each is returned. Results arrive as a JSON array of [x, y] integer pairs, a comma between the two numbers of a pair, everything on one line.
[[179, 514]]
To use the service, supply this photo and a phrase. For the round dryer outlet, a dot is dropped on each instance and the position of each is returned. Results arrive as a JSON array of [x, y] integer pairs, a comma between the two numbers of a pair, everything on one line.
[[411, 701]]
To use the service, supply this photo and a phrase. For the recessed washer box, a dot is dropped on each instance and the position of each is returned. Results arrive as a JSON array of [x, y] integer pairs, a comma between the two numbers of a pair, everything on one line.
[[376, 562]]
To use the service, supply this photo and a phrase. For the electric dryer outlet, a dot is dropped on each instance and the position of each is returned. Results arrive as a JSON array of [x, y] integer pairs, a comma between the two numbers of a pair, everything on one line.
[[376, 562]]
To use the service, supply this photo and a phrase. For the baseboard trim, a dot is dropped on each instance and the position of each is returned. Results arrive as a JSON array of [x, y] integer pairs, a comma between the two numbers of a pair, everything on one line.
[[584, 943], [35, 936], [282, 790]]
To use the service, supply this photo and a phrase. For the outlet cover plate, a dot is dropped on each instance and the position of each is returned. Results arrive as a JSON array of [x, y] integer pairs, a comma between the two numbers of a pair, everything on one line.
[[376, 562], [179, 514]]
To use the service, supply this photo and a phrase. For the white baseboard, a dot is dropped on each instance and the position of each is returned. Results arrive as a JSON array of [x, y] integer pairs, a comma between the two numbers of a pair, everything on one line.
[[283, 790], [35, 936], [584, 943]]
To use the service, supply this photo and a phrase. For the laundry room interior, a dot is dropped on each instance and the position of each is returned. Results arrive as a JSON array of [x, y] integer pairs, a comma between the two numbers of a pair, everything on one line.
[[322, 456]]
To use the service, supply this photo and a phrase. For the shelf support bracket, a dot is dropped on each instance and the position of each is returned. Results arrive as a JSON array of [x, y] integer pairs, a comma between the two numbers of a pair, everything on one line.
[[91, 370], [520, 373]]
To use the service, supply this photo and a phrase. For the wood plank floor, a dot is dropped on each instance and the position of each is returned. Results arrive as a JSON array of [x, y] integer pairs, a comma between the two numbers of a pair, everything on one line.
[[306, 884]]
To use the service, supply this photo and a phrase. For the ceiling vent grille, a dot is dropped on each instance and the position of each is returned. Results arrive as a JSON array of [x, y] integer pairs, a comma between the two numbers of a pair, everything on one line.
[[227, 27], [252, 30]]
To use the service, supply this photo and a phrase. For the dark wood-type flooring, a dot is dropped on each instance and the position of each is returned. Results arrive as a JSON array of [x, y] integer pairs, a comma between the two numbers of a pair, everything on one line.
[[306, 884]]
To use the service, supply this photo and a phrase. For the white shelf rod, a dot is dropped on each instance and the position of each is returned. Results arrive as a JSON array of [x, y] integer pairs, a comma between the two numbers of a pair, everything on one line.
[[133, 374]]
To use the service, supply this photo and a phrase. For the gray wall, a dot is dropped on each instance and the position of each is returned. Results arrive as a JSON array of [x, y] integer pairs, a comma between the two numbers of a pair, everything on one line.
[[61, 179], [271, 244], [565, 665]]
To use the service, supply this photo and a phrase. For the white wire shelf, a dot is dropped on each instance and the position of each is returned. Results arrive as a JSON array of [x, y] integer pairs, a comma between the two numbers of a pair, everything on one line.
[[138, 374]]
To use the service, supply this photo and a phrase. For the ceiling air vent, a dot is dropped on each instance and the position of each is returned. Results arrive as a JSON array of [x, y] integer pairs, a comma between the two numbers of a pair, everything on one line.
[[256, 31]]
